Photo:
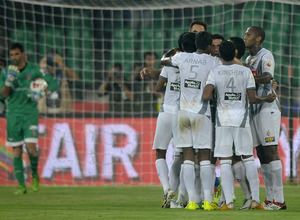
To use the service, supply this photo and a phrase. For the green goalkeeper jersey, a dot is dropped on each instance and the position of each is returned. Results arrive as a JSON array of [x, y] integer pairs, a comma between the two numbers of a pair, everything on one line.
[[18, 101]]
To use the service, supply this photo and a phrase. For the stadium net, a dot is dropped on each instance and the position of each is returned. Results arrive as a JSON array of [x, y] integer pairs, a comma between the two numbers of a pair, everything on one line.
[[92, 135]]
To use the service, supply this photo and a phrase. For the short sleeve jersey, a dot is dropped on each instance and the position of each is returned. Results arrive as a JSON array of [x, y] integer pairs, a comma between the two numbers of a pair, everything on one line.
[[18, 101], [194, 69], [172, 95], [231, 83], [260, 63]]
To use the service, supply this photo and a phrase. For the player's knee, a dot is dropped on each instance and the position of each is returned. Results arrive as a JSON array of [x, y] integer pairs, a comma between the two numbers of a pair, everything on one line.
[[17, 151], [271, 153], [160, 154]]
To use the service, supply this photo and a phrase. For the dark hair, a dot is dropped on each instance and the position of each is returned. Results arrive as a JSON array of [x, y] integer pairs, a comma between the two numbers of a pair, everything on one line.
[[188, 42], [259, 31], [218, 36], [53, 51], [227, 50], [239, 45], [197, 22], [150, 53], [15, 46], [203, 40], [180, 41], [118, 65]]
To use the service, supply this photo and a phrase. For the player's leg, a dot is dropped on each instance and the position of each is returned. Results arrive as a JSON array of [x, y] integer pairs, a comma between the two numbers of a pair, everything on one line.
[[223, 150], [198, 184], [182, 193], [239, 171], [269, 135], [19, 169], [31, 138], [244, 146], [15, 138]]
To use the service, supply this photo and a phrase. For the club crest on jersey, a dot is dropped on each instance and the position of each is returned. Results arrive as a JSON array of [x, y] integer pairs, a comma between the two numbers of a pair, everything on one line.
[[34, 130], [268, 63], [270, 139], [268, 132], [29, 76]]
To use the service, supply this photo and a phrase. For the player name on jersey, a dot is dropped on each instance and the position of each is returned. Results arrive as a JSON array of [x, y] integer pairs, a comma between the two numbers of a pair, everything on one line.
[[230, 72], [232, 96], [175, 86], [192, 84], [192, 61]]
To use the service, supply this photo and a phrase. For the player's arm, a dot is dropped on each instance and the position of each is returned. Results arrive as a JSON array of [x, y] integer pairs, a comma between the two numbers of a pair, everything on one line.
[[166, 59], [255, 99], [264, 78], [160, 84], [208, 92], [147, 71], [52, 83]]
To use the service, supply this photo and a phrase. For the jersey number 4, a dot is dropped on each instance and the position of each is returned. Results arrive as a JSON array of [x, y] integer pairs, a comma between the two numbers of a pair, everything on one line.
[[230, 84]]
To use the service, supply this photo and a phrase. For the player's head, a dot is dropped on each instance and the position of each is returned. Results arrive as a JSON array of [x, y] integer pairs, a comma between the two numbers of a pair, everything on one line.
[[150, 59], [50, 57], [217, 39], [227, 50], [16, 53], [188, 42], [254, 36], [197, 26], [180, 40], [239, 46], [203, 41], [117, 70]]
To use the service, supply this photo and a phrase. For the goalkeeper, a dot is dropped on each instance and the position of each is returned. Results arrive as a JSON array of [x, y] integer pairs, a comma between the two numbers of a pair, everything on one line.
[[22, 112]]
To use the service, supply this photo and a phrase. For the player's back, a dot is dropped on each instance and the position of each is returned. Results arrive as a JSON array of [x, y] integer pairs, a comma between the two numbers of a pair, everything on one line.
[[231, 83], [194, 69], [172, 94]]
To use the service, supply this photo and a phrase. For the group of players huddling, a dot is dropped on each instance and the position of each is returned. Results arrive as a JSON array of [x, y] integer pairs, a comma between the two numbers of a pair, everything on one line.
[[206, 112]]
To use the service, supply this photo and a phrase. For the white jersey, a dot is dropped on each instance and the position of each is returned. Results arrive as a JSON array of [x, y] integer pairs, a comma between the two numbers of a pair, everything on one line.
[[262, 62], [172, 93], [194, 69], [231, 83]]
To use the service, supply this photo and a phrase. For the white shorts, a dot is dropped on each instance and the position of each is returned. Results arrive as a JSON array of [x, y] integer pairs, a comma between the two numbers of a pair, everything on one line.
[[194, 130], [166, 129], [265, 128], [227, 137]]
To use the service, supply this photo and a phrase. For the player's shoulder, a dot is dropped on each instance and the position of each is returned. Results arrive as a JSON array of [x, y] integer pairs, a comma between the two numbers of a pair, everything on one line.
[[32, 66]]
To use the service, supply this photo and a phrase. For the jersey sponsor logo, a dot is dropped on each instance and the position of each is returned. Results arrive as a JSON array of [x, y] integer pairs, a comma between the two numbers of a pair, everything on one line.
[[192, 84], [233, 96], [255, 72], [175, 86], [270, 139]]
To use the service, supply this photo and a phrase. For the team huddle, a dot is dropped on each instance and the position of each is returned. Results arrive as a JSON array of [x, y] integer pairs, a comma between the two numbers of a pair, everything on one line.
[[206, 113]]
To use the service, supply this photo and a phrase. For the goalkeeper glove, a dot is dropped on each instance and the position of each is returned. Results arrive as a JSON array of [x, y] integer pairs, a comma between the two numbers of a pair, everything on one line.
[[36, 96], [11, 74]]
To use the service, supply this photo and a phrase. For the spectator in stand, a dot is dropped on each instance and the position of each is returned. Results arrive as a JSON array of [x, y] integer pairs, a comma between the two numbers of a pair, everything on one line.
[[120, 96], [59, 101]]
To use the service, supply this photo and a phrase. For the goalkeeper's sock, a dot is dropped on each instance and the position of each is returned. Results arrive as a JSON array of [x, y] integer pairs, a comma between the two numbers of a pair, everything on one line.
[[162, 172], [34, 164], [19, 170]]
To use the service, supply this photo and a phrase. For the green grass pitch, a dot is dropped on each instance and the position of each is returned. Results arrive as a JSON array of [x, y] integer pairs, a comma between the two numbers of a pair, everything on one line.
[[123, 202]]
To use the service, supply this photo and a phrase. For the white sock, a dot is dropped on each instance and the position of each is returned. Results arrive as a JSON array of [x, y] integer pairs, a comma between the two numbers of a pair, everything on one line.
[[276, 170], [240, 175], [189, 178], [162, 172], [206, 179], [267, 177], [227, 179], [174, 173], [213, 170], [252, 177], [197, 184], [182, 193]]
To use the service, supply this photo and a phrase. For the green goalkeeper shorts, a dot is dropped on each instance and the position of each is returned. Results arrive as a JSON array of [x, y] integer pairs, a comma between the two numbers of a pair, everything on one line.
[[22, 129]]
